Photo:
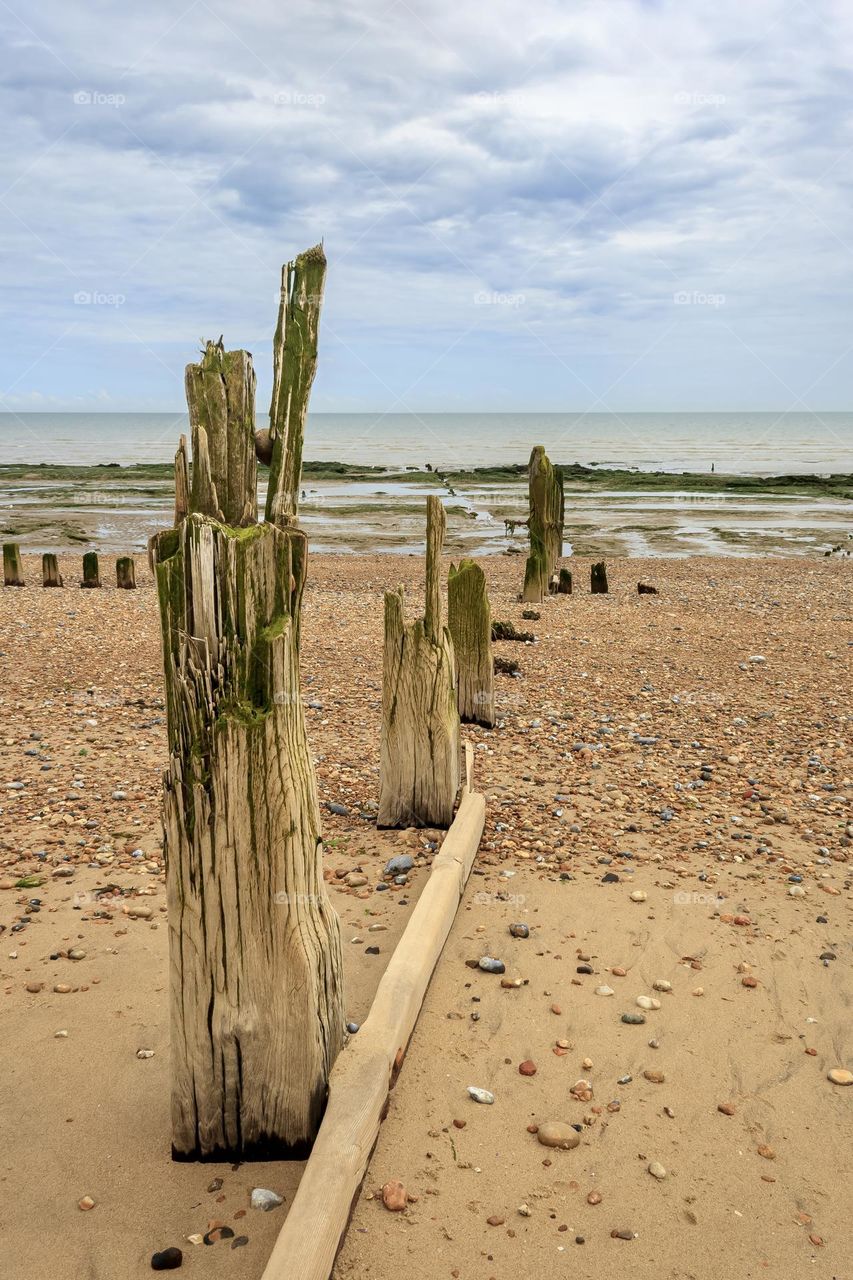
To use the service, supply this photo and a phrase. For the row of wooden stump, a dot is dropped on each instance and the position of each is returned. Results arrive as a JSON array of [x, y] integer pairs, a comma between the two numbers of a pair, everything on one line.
[[13, 571]]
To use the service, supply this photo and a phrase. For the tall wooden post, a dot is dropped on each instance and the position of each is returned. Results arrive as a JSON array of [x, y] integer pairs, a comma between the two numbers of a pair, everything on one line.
[[126, 573], [469, 620], [598, 578], [255, 955], [91, 572], [419, 756], [13, 572], [50, 575], [545, 524]]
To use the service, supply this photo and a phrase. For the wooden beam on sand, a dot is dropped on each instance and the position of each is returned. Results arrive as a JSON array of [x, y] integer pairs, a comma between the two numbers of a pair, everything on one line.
[[367, 1070]]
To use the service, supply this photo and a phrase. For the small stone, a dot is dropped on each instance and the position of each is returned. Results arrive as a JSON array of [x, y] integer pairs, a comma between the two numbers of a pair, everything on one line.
[[654, 1077], [520, 930], [86, 1204], [262, 1198], [748, 980], [340, 810], [634, 1019], [657, 1170], [495, 1220], [167, 1259], [61, 988], [594, 1197], [727, 1108], [35, 987], [648, 1002], [394, 1196], [352, 1028], [512, 983], [604, 991], [621, 1233], [524, 1210], [619, 972], [60, 1035], [145, 1053], [239, 1241], [459, 1124], [490, 965], [399, 865], [766, 1152], [138, 911], [355, 880], [215, 1185], [556, 1133], [838, 1075], [639, 895], [217, 1233], [527, 1068], [481, 1095], [662, 985]]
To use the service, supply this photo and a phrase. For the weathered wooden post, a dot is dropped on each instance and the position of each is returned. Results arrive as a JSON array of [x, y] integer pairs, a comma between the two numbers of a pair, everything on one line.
[[545, 524], [419, 757], [126, 573], [13, 572], [255, 956], [564, 586], [469, 621], [91, 573], [598, 578], [50, 575]]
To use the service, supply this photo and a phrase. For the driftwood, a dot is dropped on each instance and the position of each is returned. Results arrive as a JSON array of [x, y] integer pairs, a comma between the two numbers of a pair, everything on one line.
[[51, 577], [598, 578], [126, 573], [545, 524], [509, 631], [255, 956], [91, 572], [470, 626], [419, 756], [368, 1068], [13, 572]]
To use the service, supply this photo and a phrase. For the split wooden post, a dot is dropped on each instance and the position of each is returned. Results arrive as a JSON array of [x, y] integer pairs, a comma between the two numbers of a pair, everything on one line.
[[126, 573], [13, 571], [419, 756], [294, 366], [51, 577], [182, 482], [365, 1072], [564, 586], [545, 524], [255, 955], [469, 621], [91, 572], [598, 578]]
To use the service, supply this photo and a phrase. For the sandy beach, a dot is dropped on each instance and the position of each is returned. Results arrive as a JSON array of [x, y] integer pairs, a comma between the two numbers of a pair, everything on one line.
[[691, 749]]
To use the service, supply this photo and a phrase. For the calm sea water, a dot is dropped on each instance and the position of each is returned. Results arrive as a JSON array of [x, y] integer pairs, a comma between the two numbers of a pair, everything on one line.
[[741, 443]]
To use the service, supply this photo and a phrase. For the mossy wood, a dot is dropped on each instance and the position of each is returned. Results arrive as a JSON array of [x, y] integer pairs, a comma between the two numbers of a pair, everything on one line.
[[50, 575], [598, 578], [564, 587], [545, 524], [419, 756], [126, 573], [255, 955], [221, 401], [91, 571], [469, 622], [13, 572], [294, 366]]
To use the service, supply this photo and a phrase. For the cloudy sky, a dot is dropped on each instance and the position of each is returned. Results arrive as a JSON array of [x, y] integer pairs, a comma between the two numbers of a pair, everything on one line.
[[526, 204]]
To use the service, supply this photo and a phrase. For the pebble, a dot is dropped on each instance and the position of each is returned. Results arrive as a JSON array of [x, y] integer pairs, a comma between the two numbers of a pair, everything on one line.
[[394, 1196], [639, 895], [654, 1077], [167, 1259], [355, 880], [594, 1197], [60, 1035], [490, 965], [657, 1170], [76, 954], [86, 1204], [662, 985], [481, 1095], [398, 866], [527, 1068], [145, 1053], [61, 988], [634, 1019], [621, 1233], [648, 1002], [727, 1108], [838, 1075], [495, 1220], [556, 1133], [34, 987], [604, 991], [766, 1152], [512, 983], [618, 972], [263, 1198], [520, 930]]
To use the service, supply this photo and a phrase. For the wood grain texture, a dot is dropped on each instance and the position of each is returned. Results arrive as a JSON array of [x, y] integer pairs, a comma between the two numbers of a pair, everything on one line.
[[13, 572], [367, 1069], [545, 525], [50, 575], [469, 620], [221, 401]]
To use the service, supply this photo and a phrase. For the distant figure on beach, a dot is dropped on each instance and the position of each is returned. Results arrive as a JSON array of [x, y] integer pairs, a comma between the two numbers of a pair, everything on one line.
[[712, 468]]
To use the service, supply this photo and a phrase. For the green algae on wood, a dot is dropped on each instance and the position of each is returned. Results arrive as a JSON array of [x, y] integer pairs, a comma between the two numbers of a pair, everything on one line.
[[470, 624], [13, 572], [91, 571], [545, 525]]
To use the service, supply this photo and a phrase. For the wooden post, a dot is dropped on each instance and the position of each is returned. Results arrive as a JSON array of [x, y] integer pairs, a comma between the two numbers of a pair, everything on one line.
[[294, 366], [126, 573], [545, 524], [51, 577], [91, 573], [419, 757], [564, 587], [13, 572], [182, 482], [469, 621], [255, 955], [598, 578]]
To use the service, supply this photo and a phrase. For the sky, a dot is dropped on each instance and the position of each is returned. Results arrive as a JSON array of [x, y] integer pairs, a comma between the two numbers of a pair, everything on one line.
[[540, 205]]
